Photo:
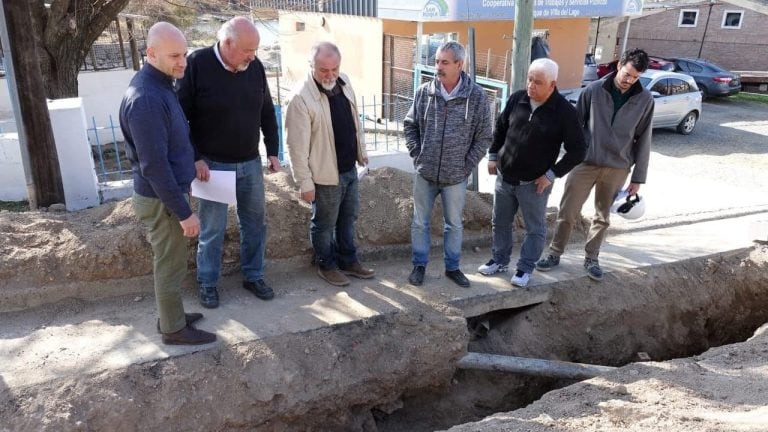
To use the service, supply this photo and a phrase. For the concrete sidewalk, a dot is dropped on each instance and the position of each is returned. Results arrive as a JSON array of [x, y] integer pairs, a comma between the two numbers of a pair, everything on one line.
[[78, 337]]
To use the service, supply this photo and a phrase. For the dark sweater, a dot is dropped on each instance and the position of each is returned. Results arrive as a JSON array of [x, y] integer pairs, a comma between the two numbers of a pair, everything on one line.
[[344, 131], [157, 140], [227, 109], [526, 143]]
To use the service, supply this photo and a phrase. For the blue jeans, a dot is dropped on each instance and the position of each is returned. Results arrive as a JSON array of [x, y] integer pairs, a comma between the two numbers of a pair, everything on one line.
[[249, 189], [332, 228], [424, 194], [507, 199]]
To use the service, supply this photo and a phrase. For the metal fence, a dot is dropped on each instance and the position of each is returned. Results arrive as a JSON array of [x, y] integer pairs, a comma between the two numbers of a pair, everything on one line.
[[384, 135], [121, 45], [109, 156], [383, 132]]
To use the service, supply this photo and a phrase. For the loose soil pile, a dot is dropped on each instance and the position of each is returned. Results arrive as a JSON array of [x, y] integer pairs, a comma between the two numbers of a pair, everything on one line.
[[108, 242]]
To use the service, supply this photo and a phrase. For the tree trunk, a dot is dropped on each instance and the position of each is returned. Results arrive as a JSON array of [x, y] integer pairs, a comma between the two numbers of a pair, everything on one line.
[[64, 33], [41, 164]]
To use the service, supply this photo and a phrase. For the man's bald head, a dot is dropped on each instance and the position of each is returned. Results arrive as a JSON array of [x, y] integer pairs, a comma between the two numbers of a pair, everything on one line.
[[238, 42], [162, 32], [167, 49], [236, 28]]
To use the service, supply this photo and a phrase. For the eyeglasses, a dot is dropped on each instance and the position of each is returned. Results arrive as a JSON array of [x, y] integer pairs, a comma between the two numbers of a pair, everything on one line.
[[628, 76]]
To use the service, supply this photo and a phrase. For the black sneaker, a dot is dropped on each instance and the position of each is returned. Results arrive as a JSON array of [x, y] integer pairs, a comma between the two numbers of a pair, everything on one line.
[[548, 263], [416, 277], [458, 277], [592, 266], [209, 297], [191, 318], [260, 289]]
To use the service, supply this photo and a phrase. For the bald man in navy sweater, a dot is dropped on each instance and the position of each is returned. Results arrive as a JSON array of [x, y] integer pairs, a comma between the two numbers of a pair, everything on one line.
[[157, 141]]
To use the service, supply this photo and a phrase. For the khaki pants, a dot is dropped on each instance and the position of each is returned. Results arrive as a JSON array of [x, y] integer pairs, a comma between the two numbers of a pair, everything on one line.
[[607, 182], [169, 249]]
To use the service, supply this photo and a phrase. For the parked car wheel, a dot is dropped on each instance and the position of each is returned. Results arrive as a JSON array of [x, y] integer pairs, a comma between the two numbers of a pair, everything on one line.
[[703, 91], [688, 123]]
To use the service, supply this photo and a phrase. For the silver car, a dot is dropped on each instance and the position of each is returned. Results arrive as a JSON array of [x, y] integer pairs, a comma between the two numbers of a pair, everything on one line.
[[676, 96]]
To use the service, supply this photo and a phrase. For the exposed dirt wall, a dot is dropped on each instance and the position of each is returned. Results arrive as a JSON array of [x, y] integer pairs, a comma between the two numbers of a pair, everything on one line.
[[668, 311], [328, 379]]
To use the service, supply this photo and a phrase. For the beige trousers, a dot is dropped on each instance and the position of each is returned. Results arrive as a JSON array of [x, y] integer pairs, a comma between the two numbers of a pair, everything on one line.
[[607, 182]]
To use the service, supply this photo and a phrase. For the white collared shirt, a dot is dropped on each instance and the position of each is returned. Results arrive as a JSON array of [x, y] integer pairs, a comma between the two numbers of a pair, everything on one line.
[[221, 60]]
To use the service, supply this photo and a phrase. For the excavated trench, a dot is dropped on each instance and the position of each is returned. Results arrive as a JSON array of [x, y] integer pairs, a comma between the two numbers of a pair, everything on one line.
[[666, 311], [397, 371]]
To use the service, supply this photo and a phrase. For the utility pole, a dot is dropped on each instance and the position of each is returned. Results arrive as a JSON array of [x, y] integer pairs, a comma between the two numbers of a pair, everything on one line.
[[30, 109], [626, 35], [706, 26], [521, 44]]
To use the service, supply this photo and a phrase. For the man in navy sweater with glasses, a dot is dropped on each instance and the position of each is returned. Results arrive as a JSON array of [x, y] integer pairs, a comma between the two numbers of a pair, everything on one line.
[[227, 101]]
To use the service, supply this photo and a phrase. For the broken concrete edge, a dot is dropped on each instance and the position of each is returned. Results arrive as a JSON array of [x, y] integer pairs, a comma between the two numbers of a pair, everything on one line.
[[485, 303], [299, 380]]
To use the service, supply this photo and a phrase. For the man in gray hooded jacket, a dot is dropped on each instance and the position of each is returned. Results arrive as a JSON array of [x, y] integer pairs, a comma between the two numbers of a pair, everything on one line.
[[447, 131]]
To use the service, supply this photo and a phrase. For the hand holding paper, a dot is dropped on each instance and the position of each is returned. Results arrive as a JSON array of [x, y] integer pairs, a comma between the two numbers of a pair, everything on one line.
[[220, 187]]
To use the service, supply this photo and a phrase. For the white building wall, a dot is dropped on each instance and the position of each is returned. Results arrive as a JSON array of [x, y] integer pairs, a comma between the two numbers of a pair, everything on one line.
[[101, 93]]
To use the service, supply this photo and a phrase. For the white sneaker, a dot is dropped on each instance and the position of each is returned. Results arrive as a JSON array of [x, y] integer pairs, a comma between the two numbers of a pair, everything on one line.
[[491, 267], [520, 278]]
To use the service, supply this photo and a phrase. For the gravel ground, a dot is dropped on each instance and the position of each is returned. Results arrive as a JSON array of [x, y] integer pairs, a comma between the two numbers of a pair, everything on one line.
[[728, 145]]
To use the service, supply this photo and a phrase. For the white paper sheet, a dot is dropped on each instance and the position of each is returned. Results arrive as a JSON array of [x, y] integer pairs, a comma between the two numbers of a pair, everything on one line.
[[220, 187], [361, 171]]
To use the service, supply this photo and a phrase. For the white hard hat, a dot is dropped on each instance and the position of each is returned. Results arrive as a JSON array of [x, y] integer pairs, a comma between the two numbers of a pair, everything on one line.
[[628, 206]]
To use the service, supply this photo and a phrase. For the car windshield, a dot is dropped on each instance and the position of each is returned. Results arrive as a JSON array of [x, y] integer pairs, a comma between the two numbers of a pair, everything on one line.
[[645, 81]]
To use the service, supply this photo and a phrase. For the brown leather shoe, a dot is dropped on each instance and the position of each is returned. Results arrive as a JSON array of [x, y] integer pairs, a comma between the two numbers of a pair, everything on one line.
[[188, 336], [333, 277], [190, 317], [357, 270]]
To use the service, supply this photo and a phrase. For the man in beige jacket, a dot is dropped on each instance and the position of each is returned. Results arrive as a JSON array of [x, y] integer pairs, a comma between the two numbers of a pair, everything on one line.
[[325, 141]]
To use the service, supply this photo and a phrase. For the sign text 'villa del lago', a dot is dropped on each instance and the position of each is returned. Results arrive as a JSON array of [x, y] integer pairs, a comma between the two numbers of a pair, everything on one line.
[[491, 10]]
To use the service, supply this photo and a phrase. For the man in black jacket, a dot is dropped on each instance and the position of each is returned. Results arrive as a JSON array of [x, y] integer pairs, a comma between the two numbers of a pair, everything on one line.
[[526, 143], [226, 99]]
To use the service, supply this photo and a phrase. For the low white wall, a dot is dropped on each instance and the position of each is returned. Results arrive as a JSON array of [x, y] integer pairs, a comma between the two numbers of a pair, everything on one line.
[[13, 185], [101, 93], [81, 189], [78, 174]]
